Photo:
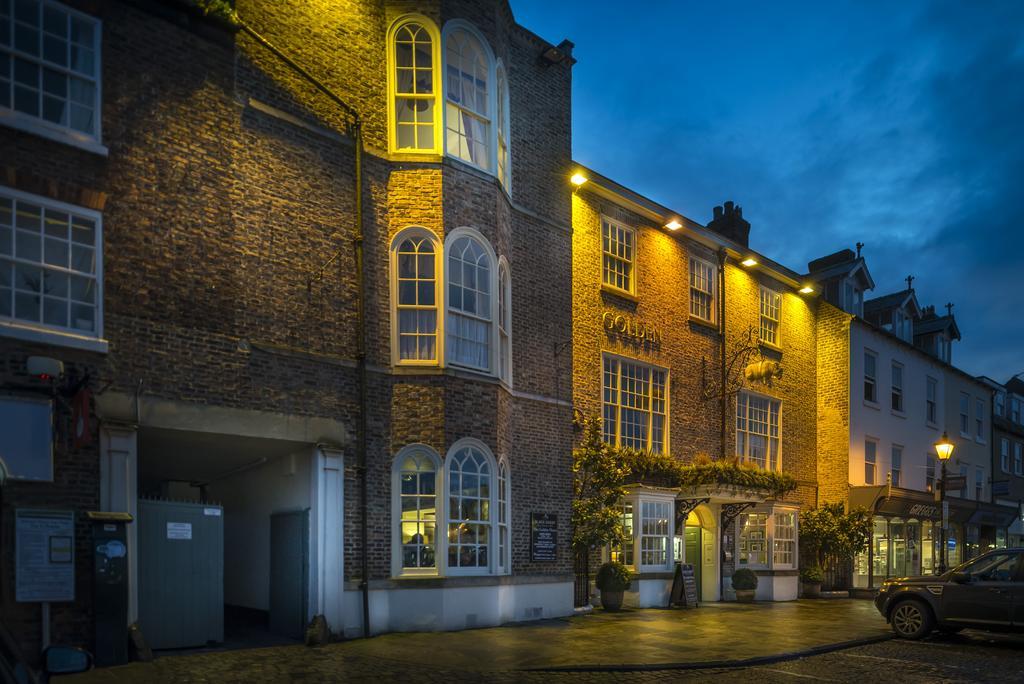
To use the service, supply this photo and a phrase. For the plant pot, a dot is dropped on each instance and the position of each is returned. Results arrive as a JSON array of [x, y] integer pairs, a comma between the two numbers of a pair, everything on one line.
[[812, 589], [611, 600], [745, 595]]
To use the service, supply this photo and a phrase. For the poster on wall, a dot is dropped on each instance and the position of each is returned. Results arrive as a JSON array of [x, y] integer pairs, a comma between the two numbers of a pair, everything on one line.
[[543, 536], [44, 556]]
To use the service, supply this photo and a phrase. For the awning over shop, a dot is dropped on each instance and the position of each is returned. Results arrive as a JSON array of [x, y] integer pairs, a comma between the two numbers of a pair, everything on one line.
[[908, 503]]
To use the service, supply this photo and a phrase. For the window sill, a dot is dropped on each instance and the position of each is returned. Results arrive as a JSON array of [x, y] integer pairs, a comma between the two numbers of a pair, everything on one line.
[[30, 333], [898, 414], [30, 124], [702, 323], [616, 292], [770, 347], [873, 405]]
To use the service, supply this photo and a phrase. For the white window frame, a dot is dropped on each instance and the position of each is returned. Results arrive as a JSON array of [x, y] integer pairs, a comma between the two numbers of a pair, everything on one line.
[[873, 462], [872, 378], [660, 503], [392, 83], [491, 142], [440, 524], [711, 292], [770, 464], [979, 420], [440, 290], [979, 483], [771, 539], [504, 320], [636, 499], [37, 125], [931, 403], [1000, 404], [1004, 454], [762, 530], [626, 552], [503, 131], [46, 333], [503, 486], [776, 539], [450, 239], [896, 388], [616, 438], [965, 415], [896, 465], [492, 547], [766, 319], [1015, 410], [630, 263]]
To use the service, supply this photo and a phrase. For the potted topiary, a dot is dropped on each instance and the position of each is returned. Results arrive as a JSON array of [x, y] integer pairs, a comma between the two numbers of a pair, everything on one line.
[[744, 583], [613, 579], [811, 578]]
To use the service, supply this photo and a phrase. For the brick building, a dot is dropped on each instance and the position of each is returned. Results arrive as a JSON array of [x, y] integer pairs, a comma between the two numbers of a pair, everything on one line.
[[1008, 451], [180, 207], [687, 342]]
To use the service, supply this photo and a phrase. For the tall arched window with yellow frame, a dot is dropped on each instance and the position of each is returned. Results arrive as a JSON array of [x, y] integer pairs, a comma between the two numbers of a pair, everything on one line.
[[414, 86]]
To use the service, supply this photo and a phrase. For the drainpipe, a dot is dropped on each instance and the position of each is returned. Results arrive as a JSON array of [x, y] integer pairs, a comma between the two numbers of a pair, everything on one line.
[[722, 260], [355, 130]]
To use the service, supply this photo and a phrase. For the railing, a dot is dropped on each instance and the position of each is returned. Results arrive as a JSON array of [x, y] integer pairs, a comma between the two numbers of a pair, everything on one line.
[[836, 573], [581, 585]]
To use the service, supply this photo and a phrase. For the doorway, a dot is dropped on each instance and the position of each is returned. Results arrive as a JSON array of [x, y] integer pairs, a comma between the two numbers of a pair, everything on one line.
[[692, 554]]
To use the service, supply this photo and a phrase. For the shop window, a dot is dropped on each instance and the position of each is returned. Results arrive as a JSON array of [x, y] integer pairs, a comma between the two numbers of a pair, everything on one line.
[[50, 265], [471, 502], [467, 91], [930, 402], [654, 532], [414, 488], [758, 431], [897, 387], [635, 398], [771, 316], [897, 466], [870, 461], [414, 79], [965, 408], [50, 70], [870, 378], [784, 541], [703, 280], [618, 246], [622, 552], [415, 265], [753, 542], [26, 438], [469, 324]]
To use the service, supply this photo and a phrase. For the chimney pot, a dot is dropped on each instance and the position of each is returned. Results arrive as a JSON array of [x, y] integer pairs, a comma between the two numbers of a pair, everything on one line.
[[728, 207], [718, 212], [728, 221]]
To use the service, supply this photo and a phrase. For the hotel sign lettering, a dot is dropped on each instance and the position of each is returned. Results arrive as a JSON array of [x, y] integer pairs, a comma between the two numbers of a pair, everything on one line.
[[630, 328]]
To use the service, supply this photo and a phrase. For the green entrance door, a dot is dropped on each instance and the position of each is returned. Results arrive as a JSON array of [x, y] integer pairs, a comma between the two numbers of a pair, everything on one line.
[[692, 542]]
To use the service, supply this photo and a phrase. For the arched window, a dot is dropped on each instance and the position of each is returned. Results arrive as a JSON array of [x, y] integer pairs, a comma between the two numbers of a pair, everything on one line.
[[504, 538], [415, 256], [471, 503], [414, 510], [413, 82], [504, 160], [504, 322], [468, 109], [470, 288]]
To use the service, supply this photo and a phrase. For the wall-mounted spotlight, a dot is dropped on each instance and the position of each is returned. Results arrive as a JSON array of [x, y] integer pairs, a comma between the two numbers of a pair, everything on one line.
[[806, 289], [673, 225], [578, 179], [749, 261]]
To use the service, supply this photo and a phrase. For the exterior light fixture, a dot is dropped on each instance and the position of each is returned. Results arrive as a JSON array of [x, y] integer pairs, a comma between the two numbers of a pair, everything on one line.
[[749, 261], [673, 225], [578, 179], [944, 448], [806, 289]]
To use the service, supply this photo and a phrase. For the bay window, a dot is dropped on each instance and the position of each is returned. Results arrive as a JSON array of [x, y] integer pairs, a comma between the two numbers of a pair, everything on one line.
[[467, 92], [414, 264], [648, 521], [758, 430], [767, 538], [469, 322], [415, 491], [635, 398], [504, 322], [655, 517], [413, 83], [504, 141]]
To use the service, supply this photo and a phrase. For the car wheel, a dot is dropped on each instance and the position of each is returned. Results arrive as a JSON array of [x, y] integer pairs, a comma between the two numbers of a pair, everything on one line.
[[911, 619]]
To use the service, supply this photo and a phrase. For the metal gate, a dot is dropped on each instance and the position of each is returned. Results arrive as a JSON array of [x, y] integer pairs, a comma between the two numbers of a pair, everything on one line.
[[181, 573]]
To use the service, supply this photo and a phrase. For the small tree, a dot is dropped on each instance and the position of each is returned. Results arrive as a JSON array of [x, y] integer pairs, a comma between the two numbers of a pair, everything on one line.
[[833, 536], [597, 490]]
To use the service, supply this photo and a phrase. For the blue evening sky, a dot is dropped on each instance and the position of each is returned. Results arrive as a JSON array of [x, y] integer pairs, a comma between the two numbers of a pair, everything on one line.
[[896, 124]]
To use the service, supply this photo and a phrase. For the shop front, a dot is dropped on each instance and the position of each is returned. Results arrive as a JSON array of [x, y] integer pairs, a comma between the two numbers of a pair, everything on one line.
[[906, 535]]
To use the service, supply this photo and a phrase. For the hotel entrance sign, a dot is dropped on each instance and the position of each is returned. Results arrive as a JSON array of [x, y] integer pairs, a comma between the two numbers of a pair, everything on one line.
[[543, 536]]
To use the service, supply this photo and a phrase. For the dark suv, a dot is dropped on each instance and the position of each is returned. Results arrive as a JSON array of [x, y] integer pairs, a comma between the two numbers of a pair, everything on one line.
[[984, 593]]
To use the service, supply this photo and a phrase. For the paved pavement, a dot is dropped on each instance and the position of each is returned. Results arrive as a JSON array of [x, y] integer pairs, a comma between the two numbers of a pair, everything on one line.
[[661, 645]]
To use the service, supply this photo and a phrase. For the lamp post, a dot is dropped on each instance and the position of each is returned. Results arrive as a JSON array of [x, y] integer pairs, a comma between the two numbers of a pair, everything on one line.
[[944, 449]]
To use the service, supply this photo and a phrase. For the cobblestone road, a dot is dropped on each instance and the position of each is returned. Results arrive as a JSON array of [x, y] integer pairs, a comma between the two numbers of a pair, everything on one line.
[[970, 657]]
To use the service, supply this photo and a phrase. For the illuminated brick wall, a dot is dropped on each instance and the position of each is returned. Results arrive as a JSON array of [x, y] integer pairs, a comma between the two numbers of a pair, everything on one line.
[[833, 403]]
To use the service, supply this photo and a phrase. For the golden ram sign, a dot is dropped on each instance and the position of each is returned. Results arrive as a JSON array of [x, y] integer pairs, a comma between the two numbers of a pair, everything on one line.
[[629, 327]]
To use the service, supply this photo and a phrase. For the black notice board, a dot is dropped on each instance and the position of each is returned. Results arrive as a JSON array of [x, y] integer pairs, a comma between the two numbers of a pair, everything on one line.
[[543, 536], [684, 586]]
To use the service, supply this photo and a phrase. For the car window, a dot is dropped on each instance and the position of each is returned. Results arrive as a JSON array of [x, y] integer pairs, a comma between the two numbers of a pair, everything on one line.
[[994, 568]]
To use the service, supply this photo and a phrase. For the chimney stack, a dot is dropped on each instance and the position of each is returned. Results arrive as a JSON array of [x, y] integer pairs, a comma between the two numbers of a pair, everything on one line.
[[728, 221]]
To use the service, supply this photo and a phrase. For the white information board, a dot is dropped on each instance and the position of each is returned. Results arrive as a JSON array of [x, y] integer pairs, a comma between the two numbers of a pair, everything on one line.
[[45, 555]]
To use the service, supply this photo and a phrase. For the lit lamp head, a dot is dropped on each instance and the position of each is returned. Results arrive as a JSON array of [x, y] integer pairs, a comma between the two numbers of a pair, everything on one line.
[[944, 448], [749, 261], [673, 225], [578, 179], [807, 289]]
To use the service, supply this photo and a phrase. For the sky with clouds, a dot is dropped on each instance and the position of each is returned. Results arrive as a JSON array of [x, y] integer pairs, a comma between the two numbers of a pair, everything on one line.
[[896, 124]]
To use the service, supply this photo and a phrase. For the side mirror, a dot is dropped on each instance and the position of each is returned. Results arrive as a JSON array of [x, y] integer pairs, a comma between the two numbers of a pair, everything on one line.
[[58, 660], [960, 578]]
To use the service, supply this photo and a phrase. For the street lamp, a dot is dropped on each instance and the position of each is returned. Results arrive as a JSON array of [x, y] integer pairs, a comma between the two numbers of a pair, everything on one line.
[[944, 449]]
